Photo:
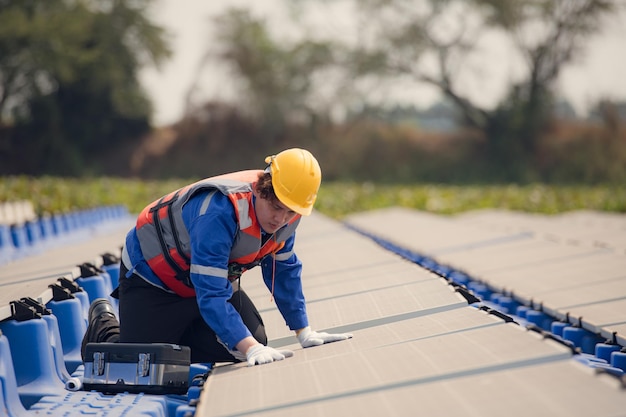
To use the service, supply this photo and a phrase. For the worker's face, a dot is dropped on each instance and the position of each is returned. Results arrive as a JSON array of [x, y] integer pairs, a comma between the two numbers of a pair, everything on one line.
[[272, 215]]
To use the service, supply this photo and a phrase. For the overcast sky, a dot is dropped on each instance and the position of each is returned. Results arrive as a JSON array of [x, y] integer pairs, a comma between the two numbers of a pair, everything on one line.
[[601, 75]]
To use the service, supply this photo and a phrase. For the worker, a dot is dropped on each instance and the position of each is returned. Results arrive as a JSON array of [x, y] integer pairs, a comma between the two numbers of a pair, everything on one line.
[[180, 273]]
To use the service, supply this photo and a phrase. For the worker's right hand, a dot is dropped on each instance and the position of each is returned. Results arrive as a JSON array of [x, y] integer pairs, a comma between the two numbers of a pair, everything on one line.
[[260, 354]]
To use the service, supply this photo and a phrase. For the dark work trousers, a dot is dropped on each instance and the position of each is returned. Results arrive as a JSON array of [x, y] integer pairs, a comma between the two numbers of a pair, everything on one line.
[[148, 314]]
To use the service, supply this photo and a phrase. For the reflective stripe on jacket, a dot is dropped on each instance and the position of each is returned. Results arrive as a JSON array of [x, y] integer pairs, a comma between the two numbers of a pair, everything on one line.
[[164, 239]]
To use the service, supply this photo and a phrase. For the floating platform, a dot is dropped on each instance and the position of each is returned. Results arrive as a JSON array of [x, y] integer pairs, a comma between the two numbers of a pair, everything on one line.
[[487, 313]]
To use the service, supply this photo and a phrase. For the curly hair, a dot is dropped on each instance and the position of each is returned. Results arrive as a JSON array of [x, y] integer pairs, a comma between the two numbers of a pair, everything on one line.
[[264, 187]]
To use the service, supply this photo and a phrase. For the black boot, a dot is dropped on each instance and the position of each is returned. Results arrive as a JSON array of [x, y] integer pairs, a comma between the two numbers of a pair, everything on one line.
[[103, 325]]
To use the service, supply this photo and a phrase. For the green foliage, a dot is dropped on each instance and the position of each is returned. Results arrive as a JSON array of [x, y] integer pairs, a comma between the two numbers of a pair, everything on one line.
[[336, 199], [590, 154], [69, 81], [220, 138], [277, 75], [339, 199], [58, 195], [405, 37]]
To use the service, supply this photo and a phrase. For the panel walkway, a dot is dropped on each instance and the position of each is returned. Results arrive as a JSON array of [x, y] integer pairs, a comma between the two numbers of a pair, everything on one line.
[[457, 318], [573, 265], [418, 348]]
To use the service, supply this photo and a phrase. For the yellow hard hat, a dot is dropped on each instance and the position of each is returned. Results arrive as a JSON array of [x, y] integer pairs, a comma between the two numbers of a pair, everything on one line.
[[296, 178]]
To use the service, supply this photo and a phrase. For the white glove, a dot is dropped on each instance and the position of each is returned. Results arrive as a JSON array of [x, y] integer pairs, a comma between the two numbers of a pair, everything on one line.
[[260, 354], [308, 337]]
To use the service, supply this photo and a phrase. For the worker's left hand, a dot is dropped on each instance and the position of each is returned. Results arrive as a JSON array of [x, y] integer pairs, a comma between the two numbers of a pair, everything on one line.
[[308, 337]]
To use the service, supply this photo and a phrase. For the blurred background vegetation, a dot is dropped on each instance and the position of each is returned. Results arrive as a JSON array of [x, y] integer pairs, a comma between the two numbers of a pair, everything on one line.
[[71, 104], [336, 199]]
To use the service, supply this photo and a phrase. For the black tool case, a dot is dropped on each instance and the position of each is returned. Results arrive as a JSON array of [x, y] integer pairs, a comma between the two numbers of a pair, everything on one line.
[[151, 368]]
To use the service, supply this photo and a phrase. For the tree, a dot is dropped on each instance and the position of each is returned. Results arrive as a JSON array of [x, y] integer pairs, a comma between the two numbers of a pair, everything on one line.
[[69, 79], [276, 79], [432, 41]]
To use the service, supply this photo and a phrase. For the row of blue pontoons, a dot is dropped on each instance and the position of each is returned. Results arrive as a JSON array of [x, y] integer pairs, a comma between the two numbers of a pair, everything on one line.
[[41, 369]]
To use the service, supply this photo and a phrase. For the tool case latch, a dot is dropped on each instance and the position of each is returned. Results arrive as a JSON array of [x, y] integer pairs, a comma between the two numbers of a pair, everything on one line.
[[98, 363], [143, 366]]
